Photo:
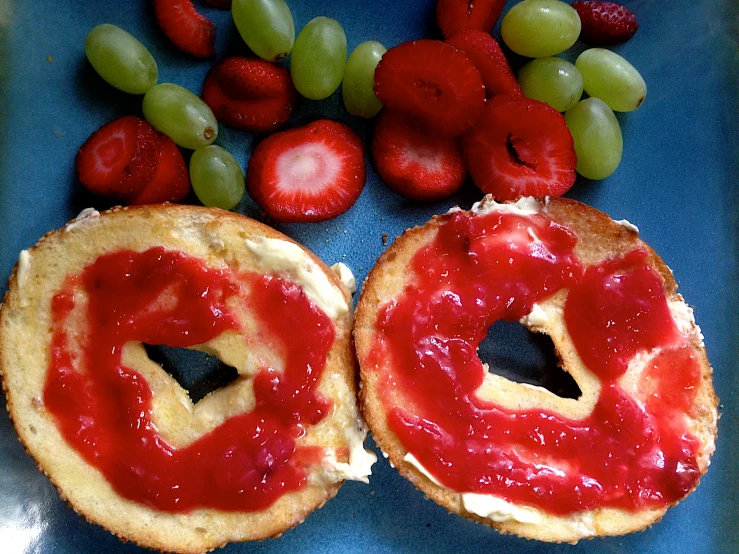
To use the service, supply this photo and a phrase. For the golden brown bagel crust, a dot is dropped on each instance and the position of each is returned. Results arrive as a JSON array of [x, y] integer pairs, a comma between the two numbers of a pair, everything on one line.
[[599, 238], [218, 239]]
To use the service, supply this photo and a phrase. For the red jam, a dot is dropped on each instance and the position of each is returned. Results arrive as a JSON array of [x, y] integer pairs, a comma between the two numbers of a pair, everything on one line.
[[482, 269], [103, 408]]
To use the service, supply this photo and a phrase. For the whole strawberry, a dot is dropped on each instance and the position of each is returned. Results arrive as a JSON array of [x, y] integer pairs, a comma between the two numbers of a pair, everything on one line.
[[605, 23]]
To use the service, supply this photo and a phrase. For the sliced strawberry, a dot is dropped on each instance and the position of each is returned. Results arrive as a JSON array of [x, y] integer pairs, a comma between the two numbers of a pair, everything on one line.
[[414, 164], [485, 53], [171, 181], [190, 31], [310, 173], [250, 94], [143, 164], [455, 16], [220, 4], [104, 156], [605, 23], [520, 147], [432, 82]]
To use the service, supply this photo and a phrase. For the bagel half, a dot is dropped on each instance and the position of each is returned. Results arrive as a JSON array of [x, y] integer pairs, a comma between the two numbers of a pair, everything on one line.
[[598, 238], [221, 241]]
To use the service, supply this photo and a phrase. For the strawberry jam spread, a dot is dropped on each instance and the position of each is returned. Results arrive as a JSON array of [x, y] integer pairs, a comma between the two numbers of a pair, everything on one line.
[[103, 408], [481, 269]]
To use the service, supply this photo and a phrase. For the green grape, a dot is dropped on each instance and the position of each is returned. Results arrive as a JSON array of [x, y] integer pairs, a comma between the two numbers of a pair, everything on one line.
[[358, 89], [266, 26], [216, 177], [553, 81], [608, 76], [540, 28], [179, 114], [318, 59], [120, 59], [597, 136]]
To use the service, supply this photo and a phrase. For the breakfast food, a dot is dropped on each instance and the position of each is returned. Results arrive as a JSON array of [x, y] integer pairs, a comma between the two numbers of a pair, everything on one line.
[[520, 147], [605, 22], [121, 440], [127, 160], [188, 30], [413, 163], [250, 94], [433, 83], [309, 173], [456, 16], [515, 456], [486, 55]]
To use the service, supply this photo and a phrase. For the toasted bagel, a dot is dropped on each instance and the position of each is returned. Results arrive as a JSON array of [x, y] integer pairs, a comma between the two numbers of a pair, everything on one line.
[[218, 242], [394, 280]]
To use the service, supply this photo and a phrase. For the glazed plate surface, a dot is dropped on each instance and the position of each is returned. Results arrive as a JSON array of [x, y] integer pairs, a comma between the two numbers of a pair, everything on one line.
[[678, 183]]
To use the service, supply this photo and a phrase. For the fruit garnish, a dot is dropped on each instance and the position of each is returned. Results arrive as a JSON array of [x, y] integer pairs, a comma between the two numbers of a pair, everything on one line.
[[540, 28], [216, 177], [121, 59], [455, 16], [597, 136], [250, 94], [414, 164], [179, 114], [553, 81], [358, 87], [140, 170], [188, 30], [608, 76], [318, 58], [432, 82], [520, 147], [266, 26], [310, 173], [605, 23], [485, 53], [127, 160], [170, 182]]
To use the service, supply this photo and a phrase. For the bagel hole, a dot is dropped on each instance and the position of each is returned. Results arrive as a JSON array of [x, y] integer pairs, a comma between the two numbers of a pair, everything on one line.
[[520, 355], [196, 372]]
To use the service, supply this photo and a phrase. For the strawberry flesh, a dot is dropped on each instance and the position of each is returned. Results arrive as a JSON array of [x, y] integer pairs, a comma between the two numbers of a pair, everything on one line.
[[520, 147], [455, 16], [140, 170], [488, 58], [414, 164], [605, 23], [127, 160], [104, 156], [188, 30], [250, 94], [170, 182], [433, 83], [310, 173]]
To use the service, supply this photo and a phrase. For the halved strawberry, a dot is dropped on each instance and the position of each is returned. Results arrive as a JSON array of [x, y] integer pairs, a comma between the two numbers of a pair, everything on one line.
[[434, 83], [455, 16], [250, 94], [414, 164], [128, 160], [485, 53], [104, 156], [140, 170], [605, 23], [190, 31], [310, 173], [171, 181], [520, 147]]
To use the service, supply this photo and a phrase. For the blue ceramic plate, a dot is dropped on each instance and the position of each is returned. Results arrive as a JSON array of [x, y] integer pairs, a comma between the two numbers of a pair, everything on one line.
[[677, 182]]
